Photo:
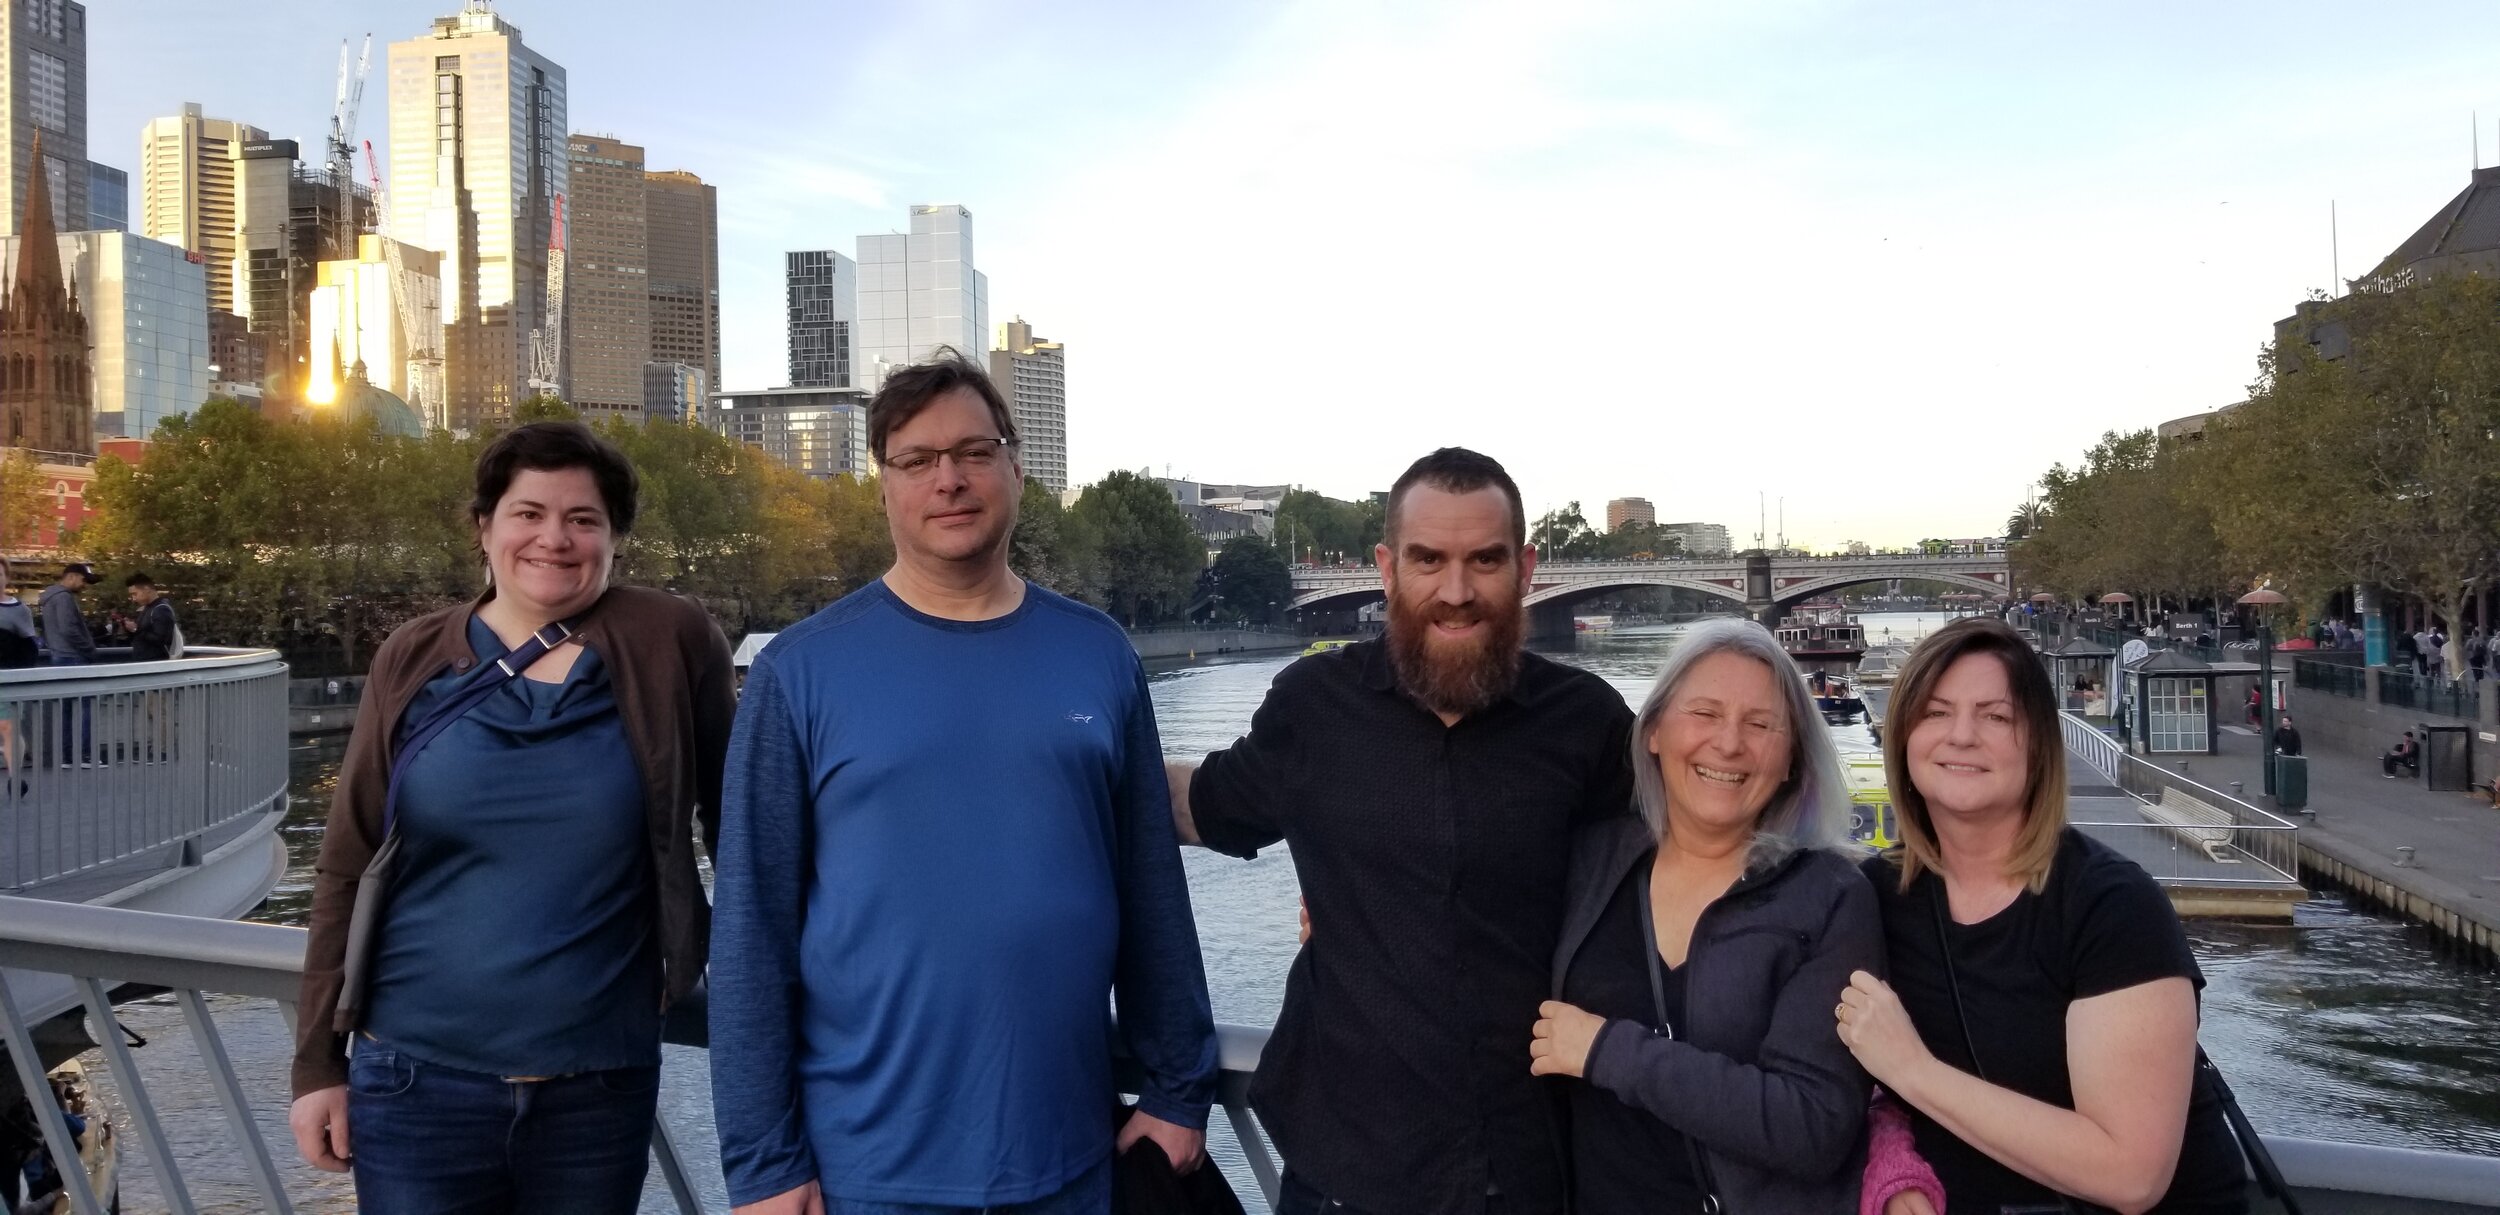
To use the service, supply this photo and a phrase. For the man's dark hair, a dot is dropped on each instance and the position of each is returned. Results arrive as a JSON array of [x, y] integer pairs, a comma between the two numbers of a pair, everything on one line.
[[912, 389], [1456, 470], [553, 447], [139, 579]]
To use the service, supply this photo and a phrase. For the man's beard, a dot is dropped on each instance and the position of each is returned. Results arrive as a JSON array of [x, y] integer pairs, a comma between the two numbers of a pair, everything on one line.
[[1455, 677]]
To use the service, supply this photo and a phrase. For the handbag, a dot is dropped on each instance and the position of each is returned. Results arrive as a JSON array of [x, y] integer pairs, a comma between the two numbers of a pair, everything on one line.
[[2208, 1078], [373, 887]]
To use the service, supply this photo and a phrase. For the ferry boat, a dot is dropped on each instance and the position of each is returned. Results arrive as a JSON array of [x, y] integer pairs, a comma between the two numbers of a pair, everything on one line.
[[1821, 630], [1592, 624], [1322, 647]]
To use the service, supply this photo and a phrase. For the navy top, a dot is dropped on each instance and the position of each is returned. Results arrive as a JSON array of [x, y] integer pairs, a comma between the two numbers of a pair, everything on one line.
[[518, 939], [946, 846], [1625, 1159]]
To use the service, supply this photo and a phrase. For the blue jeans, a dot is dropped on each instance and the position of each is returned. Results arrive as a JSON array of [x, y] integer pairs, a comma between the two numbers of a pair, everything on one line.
[[433, 1140], [1089, 1194], [77, 740]]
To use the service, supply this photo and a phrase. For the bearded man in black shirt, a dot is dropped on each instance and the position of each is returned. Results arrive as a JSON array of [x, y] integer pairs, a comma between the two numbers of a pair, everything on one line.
[[1427, 783]]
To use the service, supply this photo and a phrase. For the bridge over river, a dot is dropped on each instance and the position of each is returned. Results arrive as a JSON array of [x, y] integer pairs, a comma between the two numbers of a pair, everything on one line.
[[1763, 584]]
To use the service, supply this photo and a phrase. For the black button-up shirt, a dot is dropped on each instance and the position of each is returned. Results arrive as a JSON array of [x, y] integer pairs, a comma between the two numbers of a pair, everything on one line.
[[1433, 859]]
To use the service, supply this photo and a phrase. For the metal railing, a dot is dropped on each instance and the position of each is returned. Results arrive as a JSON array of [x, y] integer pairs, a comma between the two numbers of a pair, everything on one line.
[[2246, 832], [2433, 694], [192, 956], [2332, 678], [103, 763], [99, 948]]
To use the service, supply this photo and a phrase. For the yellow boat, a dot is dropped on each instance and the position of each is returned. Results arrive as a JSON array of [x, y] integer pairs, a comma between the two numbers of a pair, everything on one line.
[[1870, 801], [1322, 647]]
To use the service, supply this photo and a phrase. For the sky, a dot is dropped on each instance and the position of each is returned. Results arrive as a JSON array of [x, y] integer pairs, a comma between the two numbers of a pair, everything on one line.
[[1869, 269]]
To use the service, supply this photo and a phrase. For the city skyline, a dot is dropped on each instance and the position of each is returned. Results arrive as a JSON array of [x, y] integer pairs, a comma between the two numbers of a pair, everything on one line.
[[1968, 239]]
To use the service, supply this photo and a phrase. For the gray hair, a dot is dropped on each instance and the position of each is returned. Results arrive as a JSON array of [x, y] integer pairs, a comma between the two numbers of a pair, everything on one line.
[[1811, 808]]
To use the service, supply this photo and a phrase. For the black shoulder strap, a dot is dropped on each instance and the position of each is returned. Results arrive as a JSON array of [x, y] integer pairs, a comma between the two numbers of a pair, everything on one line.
[[1952, 976], [502, 671], [1666, 1028]]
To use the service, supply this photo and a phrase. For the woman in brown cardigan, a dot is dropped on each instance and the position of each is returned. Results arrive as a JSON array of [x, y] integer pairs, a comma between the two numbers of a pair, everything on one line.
[[480, 1020]]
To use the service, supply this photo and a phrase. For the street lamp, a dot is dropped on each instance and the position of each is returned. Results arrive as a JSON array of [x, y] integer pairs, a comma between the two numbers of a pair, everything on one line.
[[2260, 599]]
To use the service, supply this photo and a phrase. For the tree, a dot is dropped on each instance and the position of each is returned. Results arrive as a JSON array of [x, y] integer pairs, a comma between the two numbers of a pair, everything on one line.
[[1144, 556], [1636, 541], [26, 516], [1251, 581], [1316, 528], [1563, 535], [1043, 549]]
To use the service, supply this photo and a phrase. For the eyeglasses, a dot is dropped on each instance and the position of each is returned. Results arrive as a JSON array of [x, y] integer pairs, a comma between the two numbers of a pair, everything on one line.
[[971, 455]]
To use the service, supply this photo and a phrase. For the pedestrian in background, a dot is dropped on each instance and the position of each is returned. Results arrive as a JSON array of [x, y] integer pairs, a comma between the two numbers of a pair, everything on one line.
[[156, 636], [67, 641], [18, 649]]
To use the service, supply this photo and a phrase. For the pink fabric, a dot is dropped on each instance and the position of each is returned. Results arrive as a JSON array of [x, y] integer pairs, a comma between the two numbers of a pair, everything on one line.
[[1893, 1165]]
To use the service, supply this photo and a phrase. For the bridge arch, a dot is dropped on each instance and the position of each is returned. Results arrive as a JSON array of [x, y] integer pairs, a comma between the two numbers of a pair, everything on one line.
[[1338, 599], [1583, 590], [1816, 586]]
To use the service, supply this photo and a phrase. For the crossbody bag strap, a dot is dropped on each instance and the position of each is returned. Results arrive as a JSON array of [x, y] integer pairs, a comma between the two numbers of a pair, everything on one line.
[[1666, 1028], [1953, 978], [502, 671]]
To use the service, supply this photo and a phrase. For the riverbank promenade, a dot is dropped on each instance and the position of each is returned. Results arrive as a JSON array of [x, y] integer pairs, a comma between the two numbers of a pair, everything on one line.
[[2361, 820]]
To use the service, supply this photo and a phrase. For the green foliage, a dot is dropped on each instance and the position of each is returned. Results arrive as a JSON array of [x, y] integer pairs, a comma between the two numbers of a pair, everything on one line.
[[1565, 535], [1321, 530], [324, 533], [1143, 556], [2380, 466], [544, 407], [1044, 548], [1251, 581]]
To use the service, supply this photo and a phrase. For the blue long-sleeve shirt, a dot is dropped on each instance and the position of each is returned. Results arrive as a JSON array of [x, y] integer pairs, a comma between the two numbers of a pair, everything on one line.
[[944, 844]]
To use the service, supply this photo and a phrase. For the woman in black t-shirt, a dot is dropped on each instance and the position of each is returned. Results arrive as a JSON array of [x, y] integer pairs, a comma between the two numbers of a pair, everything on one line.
[[2041, 1016]]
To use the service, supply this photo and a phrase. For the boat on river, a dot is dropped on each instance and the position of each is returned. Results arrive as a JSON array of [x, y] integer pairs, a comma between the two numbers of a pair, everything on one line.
[[1821, 630], [1322, 647], [1834, 696]]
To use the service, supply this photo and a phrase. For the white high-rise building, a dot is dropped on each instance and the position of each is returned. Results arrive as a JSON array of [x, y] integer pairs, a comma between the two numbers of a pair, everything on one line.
[[478, 166], [917, 292], [1033, 375], [187, 190]]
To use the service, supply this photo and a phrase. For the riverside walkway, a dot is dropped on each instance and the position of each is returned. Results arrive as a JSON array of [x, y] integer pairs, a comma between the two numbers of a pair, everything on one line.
[[2451, 880]]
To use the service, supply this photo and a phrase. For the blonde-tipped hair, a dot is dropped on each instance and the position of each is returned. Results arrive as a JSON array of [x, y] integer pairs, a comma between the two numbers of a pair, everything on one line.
[[2035, 708]]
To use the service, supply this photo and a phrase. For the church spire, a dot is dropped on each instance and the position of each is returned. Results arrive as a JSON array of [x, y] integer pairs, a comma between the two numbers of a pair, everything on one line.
[[39, 282]]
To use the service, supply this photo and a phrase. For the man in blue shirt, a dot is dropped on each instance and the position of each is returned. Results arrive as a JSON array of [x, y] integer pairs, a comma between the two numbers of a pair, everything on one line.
[[946, 839]]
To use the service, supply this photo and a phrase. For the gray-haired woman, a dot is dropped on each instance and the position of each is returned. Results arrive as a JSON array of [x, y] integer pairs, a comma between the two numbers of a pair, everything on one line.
[[1703, 949]]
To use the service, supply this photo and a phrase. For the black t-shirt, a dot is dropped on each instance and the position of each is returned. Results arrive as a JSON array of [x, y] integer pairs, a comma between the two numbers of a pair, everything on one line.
[[1435, 860], [1623, 1159], [2102, 925]]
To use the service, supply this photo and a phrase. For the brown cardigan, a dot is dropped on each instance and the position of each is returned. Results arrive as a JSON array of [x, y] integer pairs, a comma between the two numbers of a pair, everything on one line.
[[671, 670]]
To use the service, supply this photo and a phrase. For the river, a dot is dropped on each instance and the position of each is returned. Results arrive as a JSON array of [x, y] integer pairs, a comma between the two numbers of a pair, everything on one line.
[[2342, 1024]]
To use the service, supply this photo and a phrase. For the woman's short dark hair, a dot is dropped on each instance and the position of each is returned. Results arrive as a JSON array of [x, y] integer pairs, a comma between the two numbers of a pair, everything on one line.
[[553, 447], [910, 390]]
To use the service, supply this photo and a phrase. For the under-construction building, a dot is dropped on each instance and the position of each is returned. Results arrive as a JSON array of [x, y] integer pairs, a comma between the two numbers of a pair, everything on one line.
[[288, 220]]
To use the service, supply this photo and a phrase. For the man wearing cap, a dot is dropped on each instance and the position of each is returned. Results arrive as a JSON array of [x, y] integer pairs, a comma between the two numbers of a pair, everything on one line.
[[65, 633], [66, 638]]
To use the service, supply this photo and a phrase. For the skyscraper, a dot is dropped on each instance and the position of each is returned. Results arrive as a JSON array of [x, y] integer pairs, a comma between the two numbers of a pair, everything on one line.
[[43, 44], [186, 190], [288, 221], [108, 199], [824, 318], [918, 292], [478, 165], [607, 281], [681, 215], [1033, 374], [1630, 510]]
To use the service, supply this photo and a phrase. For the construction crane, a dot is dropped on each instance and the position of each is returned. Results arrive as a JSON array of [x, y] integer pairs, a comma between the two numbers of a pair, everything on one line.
[[547, 341], [350, 98], [425, 356]]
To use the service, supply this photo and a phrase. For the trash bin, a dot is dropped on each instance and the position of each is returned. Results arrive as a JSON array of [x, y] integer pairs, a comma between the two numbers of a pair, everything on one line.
[[2447, 758], [2291, 781]]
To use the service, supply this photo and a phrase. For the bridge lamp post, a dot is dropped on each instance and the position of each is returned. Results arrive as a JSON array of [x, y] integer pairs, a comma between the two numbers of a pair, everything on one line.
[[2258, 601]]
